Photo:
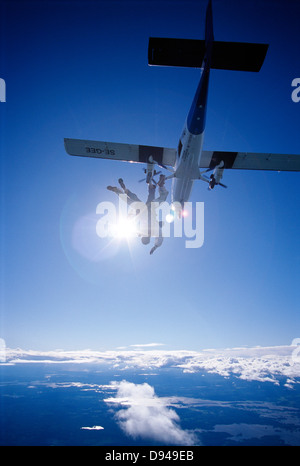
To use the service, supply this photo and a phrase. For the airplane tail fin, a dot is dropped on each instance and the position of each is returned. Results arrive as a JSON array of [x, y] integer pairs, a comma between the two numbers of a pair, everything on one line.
[[191, 53], [209, 36], [209, 30]]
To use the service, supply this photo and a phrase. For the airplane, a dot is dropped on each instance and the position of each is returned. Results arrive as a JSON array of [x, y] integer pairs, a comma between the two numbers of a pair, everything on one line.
[[189, 162]]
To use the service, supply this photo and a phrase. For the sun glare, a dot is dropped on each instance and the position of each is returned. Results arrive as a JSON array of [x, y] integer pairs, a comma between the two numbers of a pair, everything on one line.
[[184, 213], [125, 228], [170, 218]]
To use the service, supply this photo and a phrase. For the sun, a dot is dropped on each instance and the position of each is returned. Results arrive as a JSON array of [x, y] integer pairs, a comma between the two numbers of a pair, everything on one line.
[[124, 228]]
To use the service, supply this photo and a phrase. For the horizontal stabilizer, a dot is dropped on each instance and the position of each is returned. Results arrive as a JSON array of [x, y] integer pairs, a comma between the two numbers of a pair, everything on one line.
[[238, 56], [119, 151], [250, 161]]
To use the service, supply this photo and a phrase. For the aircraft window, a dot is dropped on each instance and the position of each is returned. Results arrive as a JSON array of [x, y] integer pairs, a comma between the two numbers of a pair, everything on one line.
[[179, 148]]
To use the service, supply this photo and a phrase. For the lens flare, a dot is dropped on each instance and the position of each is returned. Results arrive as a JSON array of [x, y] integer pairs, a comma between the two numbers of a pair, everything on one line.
[[170, 218], [184, 213], [125, 228]]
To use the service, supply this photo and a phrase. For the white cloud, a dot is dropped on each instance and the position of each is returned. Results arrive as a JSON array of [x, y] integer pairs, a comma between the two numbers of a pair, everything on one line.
[[147, 345], [264, 364], [147, 416], [92, 428]]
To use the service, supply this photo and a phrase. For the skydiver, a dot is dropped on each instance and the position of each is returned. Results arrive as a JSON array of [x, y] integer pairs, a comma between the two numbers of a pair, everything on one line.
[[159, 239], [163, 193], [132, 197]]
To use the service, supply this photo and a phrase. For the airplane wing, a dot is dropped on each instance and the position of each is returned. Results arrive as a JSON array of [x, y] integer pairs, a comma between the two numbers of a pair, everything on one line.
[[119, 151], [250, 160]]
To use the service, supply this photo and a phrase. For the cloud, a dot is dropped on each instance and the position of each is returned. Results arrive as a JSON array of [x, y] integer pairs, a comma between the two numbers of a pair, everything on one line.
[[264, 364], [147, 416], [92, 428], [147, 345]]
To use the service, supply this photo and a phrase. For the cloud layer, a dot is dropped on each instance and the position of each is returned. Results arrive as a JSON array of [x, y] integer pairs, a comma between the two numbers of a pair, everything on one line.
[[265, 364], [148, 416]]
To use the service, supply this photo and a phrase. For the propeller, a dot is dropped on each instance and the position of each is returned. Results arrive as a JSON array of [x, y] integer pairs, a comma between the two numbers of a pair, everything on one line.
[[208, 180]]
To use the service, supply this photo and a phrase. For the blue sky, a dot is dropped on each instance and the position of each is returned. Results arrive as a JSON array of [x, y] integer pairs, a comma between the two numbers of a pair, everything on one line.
[[79, 70]]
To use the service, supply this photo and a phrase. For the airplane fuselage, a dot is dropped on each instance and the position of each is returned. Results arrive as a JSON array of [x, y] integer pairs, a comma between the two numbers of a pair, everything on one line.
[[187, 165], [191, 142]]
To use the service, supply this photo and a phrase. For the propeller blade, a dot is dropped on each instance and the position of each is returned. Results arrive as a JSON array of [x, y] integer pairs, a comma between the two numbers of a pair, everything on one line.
[[207, 170], [204, 178]]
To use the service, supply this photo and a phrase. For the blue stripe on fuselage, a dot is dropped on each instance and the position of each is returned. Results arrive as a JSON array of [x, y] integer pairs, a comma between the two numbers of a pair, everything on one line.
[[197, 113]]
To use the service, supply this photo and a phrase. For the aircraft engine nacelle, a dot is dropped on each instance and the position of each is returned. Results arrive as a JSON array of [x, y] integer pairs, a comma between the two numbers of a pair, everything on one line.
[[217, 175]]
